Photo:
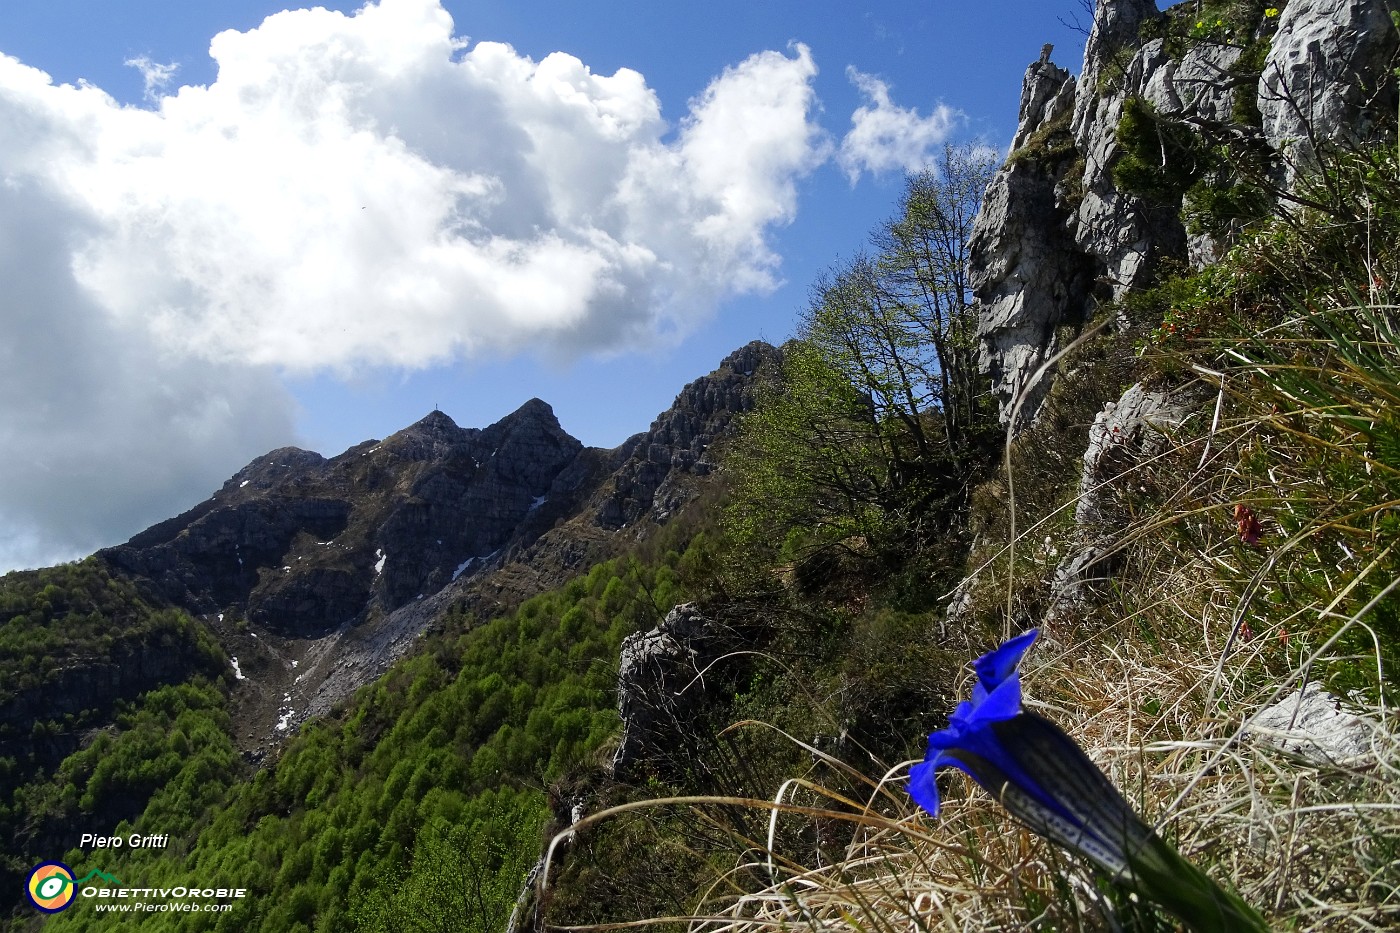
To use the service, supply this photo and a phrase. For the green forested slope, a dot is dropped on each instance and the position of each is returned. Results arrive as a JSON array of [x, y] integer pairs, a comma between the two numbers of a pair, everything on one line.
[[103, 700], [426, 798]]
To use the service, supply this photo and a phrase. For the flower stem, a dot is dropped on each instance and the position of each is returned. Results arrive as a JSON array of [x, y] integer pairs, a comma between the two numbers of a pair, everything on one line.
[[1163, 876]]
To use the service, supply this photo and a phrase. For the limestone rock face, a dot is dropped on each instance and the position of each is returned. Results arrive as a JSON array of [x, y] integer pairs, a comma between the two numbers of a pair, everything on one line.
[[1124, 236], [660, 684], [1327, 66], [1047, 97], [1200, 85], [1125, 434], [1056, 235], [1028, 274], [1113, 39], [1124, 437], [1076, 576]]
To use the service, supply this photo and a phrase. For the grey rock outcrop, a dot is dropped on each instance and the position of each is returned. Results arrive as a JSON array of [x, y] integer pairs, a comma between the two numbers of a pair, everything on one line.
[[1327, 75], [1028, 274], [1076, 576], [1312, 724], [1056, 235], [1124, 236], [1201, 85], [1124, 435], [660, 684], [1123, 439]]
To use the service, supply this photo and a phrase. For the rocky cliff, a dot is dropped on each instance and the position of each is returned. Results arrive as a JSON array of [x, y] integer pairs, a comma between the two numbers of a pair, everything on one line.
[[1058, 233]]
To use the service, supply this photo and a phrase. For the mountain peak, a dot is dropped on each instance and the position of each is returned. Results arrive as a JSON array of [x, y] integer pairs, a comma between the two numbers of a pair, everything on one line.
[[384, 536], [435, 420], [748, 358], [535, 408]]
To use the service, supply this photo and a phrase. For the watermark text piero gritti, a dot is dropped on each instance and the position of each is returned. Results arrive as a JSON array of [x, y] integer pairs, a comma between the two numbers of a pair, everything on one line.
[[133, 841]]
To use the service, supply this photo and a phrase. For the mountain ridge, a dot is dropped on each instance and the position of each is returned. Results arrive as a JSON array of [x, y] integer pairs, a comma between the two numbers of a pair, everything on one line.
[[316, 573]]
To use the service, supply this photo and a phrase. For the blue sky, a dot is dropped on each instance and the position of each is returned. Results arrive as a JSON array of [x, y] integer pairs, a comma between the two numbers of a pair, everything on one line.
[[315, 228]]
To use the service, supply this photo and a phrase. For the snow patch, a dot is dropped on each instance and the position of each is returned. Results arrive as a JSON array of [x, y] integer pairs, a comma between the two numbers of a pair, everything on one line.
[[465, 565], [284, 720], [379, 564], [539, 501], [237, 671], [242, 484]]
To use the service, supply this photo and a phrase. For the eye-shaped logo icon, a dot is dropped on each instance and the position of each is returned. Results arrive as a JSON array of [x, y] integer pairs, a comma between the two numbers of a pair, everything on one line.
[[50, 887]]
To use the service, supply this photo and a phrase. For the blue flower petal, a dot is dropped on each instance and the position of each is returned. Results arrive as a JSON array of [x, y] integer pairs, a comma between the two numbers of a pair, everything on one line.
[[1045, 781], [922, 786], [968, 743], [1002, 703], [994, 667], [963, 718], [971, 717]]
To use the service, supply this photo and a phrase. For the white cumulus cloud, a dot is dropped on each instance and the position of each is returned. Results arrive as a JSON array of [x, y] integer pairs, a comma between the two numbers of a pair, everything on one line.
[[101, 432], [154, 75], [887, 137], [351, 191], [366, 189]]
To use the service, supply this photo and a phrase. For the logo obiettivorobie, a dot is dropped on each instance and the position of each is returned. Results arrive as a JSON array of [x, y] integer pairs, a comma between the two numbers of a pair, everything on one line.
[[50, 887]]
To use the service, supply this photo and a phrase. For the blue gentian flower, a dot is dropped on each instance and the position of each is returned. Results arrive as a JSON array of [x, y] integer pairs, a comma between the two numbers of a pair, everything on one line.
[[1046, 781]]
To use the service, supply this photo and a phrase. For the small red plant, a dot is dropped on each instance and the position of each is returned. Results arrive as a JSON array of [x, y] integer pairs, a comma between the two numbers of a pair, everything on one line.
[[1247, 523]]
